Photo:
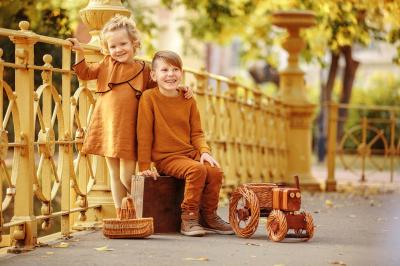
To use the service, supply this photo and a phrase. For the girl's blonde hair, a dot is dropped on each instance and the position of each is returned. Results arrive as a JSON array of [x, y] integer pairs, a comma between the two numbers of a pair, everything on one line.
[[116, 23]]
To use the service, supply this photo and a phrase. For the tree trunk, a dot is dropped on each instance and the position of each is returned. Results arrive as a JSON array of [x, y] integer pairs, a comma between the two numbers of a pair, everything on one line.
[[348, 80], [325, 97]]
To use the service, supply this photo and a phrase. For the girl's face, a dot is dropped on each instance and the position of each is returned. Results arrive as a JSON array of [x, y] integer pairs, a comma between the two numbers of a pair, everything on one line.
[[120, 46], [167, 76]]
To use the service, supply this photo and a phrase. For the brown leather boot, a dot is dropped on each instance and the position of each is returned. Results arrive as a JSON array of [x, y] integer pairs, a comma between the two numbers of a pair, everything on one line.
[[212, 222], [190, 225]]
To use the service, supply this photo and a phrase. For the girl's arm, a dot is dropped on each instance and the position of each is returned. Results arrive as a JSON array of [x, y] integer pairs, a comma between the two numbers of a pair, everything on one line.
[[148, 83], [187, 90], [83, 70]]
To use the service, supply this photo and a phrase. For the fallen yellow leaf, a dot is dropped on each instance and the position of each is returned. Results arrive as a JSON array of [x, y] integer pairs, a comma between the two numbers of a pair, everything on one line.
[[338, 263], [328, 203], [105, 248], [49, 253], [62, 245], [253, 244], [197, 259]]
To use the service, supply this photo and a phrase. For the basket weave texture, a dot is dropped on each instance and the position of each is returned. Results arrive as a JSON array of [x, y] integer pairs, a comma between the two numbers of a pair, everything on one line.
[[128, 226], [263, 192]]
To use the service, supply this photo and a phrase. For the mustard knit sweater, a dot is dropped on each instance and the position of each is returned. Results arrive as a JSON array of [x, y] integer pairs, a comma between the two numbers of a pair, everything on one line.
[[167, 126]]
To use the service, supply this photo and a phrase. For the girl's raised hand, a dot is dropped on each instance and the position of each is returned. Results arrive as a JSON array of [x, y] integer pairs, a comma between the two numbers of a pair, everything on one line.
[[205, 157], [75, 44], [188, 91]]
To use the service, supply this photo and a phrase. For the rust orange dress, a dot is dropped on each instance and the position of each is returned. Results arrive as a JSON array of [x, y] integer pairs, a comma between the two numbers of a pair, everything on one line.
[[112, 129]]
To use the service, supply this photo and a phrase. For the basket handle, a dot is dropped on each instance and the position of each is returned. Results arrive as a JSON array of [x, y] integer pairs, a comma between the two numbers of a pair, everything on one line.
[[127, 209], [137, 193]]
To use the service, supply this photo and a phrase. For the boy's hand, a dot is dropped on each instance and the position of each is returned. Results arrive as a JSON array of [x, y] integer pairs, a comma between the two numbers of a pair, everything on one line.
[[75, 44], [150, 173], [205, 157], [188, 92]]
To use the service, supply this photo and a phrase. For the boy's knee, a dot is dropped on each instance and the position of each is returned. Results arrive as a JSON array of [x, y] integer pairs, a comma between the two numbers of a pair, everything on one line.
[[215, 173], [199, 170]]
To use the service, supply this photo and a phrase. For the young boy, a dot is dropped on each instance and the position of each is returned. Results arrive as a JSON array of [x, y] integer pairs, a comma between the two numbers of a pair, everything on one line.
[[170, 134]]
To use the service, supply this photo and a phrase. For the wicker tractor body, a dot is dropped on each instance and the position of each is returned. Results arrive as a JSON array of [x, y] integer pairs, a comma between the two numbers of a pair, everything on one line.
[[128, 226], [281, 204]]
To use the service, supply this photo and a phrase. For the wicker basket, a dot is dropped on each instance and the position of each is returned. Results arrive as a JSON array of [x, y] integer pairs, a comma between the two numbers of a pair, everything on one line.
[[263, 192], [128, 226]]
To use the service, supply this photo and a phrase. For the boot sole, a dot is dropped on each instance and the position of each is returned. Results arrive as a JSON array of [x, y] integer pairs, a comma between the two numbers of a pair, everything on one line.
[[194, 233], [210, 230]]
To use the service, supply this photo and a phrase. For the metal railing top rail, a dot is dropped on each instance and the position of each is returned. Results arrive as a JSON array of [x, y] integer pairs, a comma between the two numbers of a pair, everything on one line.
[[25, 32]]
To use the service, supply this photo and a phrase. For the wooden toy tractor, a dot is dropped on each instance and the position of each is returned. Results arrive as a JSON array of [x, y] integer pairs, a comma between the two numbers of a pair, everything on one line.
[[281, 204]]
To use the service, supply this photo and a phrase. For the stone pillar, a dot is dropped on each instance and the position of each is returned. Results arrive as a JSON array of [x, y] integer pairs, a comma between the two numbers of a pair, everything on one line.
[[292, 93]]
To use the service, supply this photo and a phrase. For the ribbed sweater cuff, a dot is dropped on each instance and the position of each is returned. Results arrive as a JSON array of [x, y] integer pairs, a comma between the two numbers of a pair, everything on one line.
[[77, 64], [144, 166]]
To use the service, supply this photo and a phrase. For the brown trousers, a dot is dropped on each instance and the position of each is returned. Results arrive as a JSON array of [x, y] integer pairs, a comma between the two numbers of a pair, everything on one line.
[[202, 182]]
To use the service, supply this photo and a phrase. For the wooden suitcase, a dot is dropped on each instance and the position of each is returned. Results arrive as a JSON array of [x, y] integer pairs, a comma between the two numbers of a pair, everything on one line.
[[162, 200]]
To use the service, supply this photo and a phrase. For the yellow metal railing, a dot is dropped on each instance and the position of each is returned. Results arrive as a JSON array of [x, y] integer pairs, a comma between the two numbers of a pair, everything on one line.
[[367, 145], [44, 175]]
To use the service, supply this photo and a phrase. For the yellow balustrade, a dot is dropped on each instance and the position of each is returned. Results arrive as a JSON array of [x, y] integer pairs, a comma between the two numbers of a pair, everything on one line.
[[43, 129], [256, 138], [368, 145]]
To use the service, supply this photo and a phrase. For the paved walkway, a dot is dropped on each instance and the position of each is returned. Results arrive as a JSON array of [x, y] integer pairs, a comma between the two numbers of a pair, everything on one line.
[[358, 228]]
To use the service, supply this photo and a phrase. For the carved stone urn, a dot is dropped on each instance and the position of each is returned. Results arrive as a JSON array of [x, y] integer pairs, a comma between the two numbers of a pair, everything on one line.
[[98, 12]]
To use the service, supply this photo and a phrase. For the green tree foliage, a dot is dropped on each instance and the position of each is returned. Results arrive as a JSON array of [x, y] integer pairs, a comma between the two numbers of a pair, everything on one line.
[[143, 17], [340, 25], [53, 18]]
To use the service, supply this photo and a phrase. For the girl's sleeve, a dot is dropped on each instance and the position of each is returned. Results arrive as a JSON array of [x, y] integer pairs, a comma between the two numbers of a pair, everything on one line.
[[145, 131], [87, 71], [197, 137], [148, 83]]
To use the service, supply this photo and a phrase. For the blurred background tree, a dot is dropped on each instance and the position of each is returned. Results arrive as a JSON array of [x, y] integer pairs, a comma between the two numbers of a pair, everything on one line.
[[50, 18], [340, 26]]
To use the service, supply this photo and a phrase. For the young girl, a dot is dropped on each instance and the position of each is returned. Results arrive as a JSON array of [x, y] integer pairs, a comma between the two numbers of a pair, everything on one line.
[[120, 82]]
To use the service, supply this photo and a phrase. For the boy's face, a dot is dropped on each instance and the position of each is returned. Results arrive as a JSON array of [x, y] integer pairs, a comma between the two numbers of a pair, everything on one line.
[[120, 46], [167, 76]]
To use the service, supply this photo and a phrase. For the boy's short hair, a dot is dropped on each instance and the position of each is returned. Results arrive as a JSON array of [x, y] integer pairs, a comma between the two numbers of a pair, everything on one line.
[[116, 23], [169, 57]]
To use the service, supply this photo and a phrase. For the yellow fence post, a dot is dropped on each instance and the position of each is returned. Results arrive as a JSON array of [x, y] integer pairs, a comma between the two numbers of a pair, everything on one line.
[[232, 173], [1, 120], [392, 148], [330, 184], [363, 150], [201, 96], [66, 151], [24, 237]]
